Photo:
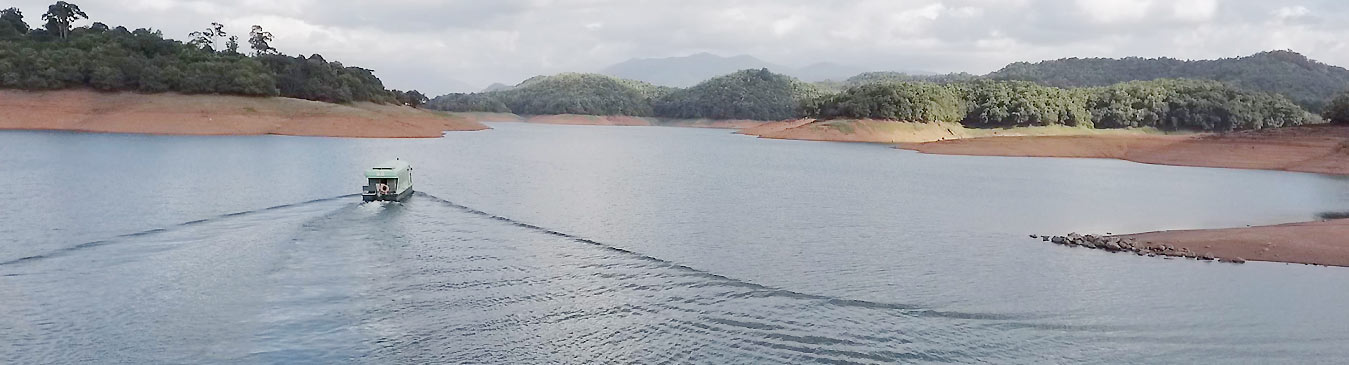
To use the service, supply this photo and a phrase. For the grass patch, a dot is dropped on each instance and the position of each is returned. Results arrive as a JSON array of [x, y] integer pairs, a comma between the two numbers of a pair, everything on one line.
[[844, 126]]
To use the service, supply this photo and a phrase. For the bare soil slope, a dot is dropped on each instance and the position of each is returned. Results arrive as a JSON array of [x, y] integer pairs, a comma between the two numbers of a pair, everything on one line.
[[90, 111], [1317, 148]]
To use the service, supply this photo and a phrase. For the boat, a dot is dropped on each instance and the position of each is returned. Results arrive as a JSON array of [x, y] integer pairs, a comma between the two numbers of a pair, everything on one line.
[[388, 181]]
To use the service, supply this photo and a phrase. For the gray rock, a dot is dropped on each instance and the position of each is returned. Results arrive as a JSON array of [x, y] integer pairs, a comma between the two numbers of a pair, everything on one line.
[[1059, 240], [1034, 236], [1112, 246]]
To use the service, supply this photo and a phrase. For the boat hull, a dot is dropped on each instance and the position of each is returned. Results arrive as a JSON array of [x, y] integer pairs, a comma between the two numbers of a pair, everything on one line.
[[370, 197]]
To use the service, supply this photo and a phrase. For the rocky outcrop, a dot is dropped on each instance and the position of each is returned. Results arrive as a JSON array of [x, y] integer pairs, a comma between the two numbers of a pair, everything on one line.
[[1132, 245]]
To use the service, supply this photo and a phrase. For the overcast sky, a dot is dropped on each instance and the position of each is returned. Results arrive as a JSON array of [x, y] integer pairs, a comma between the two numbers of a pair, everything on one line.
[[449, 45]]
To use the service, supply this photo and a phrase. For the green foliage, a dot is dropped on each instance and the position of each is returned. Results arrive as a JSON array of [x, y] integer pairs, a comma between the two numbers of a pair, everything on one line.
[[749, 94], [474, 102], [205, 39], [907, 101], [746, 94], [892, 77], [1018, 103], [12, 24], [1307, 82], [60, 15], [574, 93], [1338, 110], [1163, 104], [260, 41], [143, 60], [412, 98], [1191, 105], [314, 78]]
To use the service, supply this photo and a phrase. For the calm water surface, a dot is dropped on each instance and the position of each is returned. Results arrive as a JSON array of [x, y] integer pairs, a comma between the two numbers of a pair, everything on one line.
[[564, 244]]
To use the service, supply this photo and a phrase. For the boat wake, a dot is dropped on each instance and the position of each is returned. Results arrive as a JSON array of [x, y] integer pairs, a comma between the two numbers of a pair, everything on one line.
[[92, 244], [755, 288]]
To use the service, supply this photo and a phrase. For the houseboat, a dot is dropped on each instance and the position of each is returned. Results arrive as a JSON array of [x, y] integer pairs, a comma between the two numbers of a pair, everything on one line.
[[388, 181]]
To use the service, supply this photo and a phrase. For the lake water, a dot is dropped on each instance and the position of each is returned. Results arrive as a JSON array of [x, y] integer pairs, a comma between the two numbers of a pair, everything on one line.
[[573, 244]]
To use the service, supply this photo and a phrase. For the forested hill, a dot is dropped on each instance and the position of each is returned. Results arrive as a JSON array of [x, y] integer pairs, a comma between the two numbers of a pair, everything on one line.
[[1200, 105], [568, 93], [747, 94], [1307, 82], [61, 56]]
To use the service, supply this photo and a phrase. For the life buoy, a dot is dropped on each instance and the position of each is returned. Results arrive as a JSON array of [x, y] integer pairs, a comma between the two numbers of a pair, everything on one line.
[[382, 188]]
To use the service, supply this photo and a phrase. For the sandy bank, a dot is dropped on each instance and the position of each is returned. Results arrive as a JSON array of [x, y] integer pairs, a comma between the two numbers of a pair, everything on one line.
[[888, 131], [1317, 243], [1319, 148], [873, 131], [712, 123], [574, 119], [90, 111], [488, 117]]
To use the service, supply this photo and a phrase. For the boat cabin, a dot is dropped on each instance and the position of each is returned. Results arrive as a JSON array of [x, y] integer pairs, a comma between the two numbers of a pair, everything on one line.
[[388, 181]]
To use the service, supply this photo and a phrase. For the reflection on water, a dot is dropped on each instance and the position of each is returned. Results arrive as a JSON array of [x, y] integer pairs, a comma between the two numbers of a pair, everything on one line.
[[533, 244]]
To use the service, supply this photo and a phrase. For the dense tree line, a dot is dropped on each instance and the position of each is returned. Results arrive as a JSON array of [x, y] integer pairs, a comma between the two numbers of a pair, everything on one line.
[[894, 101], [1338, 110], [747, 94], [890, 77], [1165, 104], [1307, 82], [1019, 103], [568, 93], [576, 93], [1193, 105], [60, 56], [469, 102]]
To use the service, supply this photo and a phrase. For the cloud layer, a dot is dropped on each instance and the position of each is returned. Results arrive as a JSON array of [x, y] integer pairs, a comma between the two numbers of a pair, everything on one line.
[[455, 45]]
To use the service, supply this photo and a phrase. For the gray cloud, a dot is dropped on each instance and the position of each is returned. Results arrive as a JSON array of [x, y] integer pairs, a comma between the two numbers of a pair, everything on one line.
[[431, 45]]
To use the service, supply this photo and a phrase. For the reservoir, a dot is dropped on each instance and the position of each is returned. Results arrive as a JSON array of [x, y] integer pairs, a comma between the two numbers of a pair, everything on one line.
[[581, 244]]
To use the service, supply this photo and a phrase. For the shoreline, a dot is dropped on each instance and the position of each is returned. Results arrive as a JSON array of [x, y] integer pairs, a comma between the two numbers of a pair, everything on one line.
[[1321, 149], [217, 115]]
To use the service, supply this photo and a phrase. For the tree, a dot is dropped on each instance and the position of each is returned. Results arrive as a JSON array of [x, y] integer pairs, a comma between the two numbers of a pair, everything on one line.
[[412, 98], [12, 18], [260, 41], [60, 15], [232, 45], [1338, 110], [206, 39]]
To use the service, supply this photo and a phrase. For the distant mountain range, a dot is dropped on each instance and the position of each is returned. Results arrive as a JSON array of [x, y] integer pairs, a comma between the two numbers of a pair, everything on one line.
[[1309, 83], [689, 70]]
